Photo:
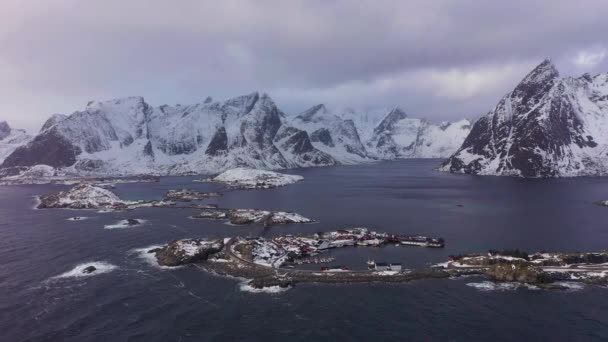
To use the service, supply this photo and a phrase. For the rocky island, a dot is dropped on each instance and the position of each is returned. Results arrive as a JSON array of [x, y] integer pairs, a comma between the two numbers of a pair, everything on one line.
[[249, 216], [82, 196], [187, 195], [88, 196], [263, 261]]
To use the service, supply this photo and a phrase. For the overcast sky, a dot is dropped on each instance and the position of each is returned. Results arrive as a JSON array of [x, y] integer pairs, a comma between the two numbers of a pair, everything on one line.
[[441, 60]]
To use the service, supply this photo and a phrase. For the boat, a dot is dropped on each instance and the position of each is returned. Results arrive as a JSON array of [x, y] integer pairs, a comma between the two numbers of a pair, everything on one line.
[[371, 263]]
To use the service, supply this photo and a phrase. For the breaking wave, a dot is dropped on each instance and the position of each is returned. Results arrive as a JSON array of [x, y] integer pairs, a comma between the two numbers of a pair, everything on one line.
[[492, 286], [77, 272], [245, 287]]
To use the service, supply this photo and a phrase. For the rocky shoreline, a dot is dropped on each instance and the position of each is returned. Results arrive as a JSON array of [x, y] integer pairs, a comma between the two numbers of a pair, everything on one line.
[[235, 257]]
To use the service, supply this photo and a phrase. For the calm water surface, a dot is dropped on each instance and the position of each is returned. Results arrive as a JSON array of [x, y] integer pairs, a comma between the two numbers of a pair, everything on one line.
[[140, 302]]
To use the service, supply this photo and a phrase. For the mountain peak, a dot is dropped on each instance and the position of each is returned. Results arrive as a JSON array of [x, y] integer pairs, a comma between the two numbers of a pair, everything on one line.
[[544, 72], [54, 119], [392, 117], [118, 103], [245, 102], [310, 113]]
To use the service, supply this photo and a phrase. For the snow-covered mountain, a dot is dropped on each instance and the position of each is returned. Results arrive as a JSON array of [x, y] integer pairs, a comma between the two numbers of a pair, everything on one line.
[[332, 134], [399, 136], [127, 136], [11, 139], [354, 136], [546, 127]]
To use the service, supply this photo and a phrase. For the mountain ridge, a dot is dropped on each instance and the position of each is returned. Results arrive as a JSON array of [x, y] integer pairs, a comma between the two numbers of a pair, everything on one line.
[[127, 136]]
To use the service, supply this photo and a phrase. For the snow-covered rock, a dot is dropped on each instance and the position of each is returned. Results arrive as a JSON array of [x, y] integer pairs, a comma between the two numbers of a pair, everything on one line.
[[187, 251], [255, 179], [82, 196], [548, 126]]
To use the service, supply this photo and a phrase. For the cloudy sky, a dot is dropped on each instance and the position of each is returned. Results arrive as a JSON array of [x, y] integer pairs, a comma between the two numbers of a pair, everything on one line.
[[440, 60]]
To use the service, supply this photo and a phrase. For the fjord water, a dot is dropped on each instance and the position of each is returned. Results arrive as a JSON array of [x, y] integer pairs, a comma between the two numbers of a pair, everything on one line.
[[137, 301]]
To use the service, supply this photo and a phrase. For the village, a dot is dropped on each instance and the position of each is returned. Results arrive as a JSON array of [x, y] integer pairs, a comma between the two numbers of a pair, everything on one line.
[[290, 250]]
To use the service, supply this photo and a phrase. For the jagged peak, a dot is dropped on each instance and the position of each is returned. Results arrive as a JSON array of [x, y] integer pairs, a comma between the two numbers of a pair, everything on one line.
[[118, 104], [310, 113], [544, 72], [393, 116], [244, 102], [54, 119], [209, 99], [265, 102]]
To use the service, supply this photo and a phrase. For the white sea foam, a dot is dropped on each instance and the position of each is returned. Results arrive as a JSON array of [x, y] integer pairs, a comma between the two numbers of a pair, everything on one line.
[[492, 286], [100, 268], [124, 224], [245, 287], [572, 286]]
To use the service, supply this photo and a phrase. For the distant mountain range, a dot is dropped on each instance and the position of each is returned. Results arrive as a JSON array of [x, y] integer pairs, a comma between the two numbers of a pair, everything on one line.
[[127, 136], [548, 126]]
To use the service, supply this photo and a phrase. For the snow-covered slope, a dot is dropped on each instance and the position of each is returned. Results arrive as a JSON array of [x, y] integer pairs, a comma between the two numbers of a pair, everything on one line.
[[11, 139], [546, 127]]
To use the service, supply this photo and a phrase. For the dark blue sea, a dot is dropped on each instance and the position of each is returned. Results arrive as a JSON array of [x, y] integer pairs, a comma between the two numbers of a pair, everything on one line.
[[40, 300]]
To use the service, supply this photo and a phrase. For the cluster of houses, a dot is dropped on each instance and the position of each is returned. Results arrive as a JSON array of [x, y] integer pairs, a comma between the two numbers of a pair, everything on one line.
[[278, 250]]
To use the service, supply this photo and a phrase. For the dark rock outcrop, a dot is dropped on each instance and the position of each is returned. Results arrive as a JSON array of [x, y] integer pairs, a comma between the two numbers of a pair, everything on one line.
[[219, 143], [519, 272], [50, 148], [323, 136], [89, 269]]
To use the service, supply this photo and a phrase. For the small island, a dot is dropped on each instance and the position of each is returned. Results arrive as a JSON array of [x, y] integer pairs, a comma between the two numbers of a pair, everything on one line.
[[249, 216], [187, 195], [246, 178]]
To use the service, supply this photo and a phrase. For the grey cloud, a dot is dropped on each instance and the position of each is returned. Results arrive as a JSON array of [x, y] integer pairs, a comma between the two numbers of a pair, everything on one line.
[[360, 53]]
